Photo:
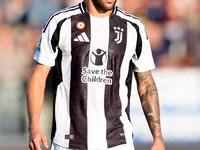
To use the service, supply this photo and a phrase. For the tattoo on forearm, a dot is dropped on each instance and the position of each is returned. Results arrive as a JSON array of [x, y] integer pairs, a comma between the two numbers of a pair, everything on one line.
[[151, 91], [150, 103], [143, 77], [152, 125], [145, 103]]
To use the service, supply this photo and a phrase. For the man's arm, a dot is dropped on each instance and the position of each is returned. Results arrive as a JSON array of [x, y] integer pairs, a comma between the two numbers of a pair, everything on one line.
[[150, 103], [35, 97]]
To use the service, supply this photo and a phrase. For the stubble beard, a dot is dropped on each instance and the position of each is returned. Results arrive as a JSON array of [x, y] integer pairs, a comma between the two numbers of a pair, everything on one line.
[[103, 6]]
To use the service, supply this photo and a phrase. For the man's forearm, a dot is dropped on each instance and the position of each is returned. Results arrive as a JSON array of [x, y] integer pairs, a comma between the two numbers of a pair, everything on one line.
[[35, 93], [35, 96], [150, 102]]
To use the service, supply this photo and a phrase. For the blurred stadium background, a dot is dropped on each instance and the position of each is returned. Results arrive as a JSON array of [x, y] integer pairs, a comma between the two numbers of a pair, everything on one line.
[[174, 31]]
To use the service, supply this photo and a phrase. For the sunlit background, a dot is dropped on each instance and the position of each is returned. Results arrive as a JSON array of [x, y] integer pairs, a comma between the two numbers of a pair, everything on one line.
[[174, 30]]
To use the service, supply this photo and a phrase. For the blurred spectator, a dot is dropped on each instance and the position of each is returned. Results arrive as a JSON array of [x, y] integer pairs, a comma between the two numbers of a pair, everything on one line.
[[14, 10], [158, 41], [155, 10], [192, 22], [40, 10]]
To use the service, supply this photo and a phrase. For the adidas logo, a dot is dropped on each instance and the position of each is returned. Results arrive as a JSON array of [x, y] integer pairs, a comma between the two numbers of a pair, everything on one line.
[[82, 38]]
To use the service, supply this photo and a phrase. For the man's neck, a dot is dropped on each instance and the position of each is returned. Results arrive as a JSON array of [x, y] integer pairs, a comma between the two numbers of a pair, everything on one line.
[[95, 10]]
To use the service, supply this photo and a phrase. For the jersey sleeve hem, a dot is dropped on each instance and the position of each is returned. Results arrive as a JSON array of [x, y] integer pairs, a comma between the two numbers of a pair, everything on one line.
[[43, 62], [144, 69]]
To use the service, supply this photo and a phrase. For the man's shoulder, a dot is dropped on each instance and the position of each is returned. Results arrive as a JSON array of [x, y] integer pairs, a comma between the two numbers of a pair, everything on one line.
[[128, 16], [64, 13], [67, 12]]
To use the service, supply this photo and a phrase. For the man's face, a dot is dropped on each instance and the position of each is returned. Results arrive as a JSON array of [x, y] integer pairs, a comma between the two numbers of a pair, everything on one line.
[[105, 5]]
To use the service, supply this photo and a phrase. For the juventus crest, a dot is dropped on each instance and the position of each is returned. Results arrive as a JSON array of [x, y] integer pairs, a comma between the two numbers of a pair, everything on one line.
[[119, 32]]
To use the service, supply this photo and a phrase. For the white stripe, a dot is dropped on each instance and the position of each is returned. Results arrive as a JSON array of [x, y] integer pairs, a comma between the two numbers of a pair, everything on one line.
[[62, 97], [80, 38], [76, 39], [129, 52], [85, 37], [96, 114]]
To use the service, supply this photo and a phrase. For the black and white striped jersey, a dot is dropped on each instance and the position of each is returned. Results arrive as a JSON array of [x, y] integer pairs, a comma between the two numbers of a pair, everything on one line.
[[93, 60]]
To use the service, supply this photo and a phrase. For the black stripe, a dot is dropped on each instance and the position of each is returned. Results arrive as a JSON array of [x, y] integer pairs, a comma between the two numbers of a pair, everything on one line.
[[57, 73], [53, 130], [139, 40], [57, 70], [115, 10], [82, 8], [57, 79], [78, 90], [129, 86], [115, 132], [56, 35]]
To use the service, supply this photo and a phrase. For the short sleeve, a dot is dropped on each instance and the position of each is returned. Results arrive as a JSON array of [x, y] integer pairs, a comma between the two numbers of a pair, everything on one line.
[[144, 60], [45, 53]]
